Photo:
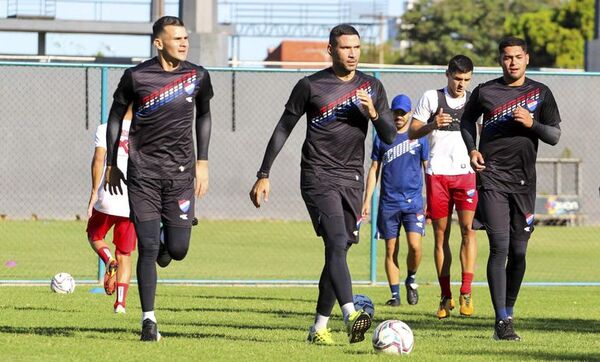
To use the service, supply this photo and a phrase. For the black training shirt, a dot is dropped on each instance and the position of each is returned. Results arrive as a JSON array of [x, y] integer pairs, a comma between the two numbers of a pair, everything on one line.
[[508, 148], [160, 139], [338, 123]]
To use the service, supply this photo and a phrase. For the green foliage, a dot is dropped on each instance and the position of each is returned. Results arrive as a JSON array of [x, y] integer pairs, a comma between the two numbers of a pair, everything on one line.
[[556, 30]]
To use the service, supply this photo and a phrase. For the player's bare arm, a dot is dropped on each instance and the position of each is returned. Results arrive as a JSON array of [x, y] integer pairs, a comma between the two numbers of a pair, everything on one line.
[[367, 103], [420, 129], [372, 177], [260, 191], [97, 168], [523, 116], [201, 178], [477, 161]]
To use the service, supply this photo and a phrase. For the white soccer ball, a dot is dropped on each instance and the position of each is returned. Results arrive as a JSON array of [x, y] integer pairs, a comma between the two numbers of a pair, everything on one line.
[[62, 283], [363, 302], [393, 337]]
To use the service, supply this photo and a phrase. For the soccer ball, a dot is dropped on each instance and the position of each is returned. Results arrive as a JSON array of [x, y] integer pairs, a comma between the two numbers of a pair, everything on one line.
[[62, 283], [393, 337], [363, 302]]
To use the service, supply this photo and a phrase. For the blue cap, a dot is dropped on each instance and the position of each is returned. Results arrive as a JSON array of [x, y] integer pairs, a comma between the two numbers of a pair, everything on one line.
[[401, 102]]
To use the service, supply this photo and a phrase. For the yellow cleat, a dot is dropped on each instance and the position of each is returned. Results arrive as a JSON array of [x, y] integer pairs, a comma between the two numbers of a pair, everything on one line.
[[466, 305], [320, 337], [446, 305], [358, 323]]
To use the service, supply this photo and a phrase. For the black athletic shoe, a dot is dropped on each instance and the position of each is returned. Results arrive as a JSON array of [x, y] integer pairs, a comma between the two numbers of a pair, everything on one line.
[[149, 331], [504, 331], [412, 295], [393, 302], [164, 258]]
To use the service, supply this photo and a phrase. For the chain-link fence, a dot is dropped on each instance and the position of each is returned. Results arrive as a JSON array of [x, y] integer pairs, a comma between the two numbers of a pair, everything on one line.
[[49, 116]]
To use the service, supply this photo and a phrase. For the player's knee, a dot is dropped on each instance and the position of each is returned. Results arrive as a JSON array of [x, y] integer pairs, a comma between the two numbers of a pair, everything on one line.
[[178, 252], [178, 241], [122, 252]]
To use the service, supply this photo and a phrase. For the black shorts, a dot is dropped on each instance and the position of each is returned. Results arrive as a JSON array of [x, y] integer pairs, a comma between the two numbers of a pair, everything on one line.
[[503, 212], [172, 201], [326, 199]]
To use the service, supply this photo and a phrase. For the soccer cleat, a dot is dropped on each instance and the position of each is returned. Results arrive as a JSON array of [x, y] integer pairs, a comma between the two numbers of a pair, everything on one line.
[[320, 337], [466, 305], [412, 295], [446, 305], [110, 277], [150, 331], [504, 331], [119, 309], [393, 302], [358, 323]]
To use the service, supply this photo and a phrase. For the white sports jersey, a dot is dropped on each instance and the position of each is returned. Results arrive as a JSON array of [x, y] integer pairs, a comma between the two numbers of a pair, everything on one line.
[[448, 154], [117, 205]]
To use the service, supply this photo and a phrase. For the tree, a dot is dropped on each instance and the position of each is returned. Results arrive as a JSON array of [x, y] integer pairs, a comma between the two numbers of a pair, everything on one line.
[[439, 29], [556, 36]]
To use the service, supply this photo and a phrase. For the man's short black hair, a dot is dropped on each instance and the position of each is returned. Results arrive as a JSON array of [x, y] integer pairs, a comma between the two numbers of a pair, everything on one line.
[[511, 41], [460, 64], [160, 24], [339, 30]]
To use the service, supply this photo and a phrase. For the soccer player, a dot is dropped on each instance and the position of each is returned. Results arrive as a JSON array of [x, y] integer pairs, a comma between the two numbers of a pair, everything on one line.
[[106, 211], [340, 102], [401, 202], [517, 113], [162, 167], [449, 179]]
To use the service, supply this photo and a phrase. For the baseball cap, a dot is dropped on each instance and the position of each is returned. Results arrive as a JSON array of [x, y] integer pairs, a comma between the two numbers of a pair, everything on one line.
[[401, 102]]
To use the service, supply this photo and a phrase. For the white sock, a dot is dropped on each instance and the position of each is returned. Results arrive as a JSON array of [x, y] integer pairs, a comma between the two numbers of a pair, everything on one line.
[[348, 309], [320, 322], [148, 315]]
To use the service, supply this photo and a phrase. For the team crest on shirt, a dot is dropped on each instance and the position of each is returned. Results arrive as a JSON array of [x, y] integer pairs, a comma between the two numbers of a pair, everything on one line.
[[189, 87], [532, 104], [529, 219], [184, 205]]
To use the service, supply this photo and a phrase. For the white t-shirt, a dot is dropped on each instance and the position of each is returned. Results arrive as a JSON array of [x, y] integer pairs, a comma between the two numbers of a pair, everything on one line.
[[117, 205], [447, 151]]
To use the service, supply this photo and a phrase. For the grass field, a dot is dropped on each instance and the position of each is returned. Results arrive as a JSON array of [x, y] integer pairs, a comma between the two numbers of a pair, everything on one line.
[[261, 323], [270, 250], [270, 323]]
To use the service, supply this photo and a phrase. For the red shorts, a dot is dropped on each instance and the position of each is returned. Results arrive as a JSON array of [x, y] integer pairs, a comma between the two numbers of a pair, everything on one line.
[[447, 191], [124, 236]]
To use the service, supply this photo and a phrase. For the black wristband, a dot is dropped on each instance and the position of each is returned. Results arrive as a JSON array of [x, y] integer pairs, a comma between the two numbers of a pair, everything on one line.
[[262, 174]]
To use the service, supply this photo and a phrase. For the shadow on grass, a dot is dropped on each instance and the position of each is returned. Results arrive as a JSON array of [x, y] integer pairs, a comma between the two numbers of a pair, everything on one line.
[[274, 312], [241, 297], [43, 309], [59, 331], [241, 326], [547, 356], [71, 332]]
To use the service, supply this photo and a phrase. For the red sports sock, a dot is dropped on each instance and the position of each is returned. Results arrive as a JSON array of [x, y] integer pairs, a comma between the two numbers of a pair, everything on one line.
[[121, 294], [444, 281], [104, 254], [467, 279]]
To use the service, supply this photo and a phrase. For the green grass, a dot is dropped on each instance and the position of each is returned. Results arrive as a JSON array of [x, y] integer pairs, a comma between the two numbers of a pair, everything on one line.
[[275, 250], [270, 323]]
